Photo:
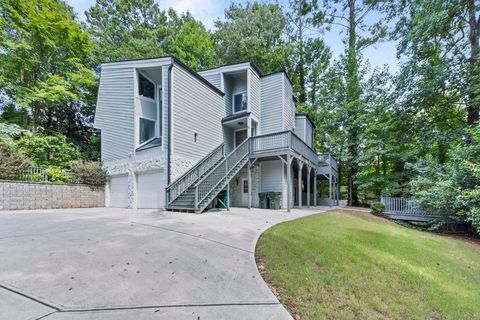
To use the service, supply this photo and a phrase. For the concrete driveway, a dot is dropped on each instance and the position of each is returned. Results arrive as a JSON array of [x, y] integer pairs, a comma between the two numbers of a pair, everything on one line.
[[135, 264]]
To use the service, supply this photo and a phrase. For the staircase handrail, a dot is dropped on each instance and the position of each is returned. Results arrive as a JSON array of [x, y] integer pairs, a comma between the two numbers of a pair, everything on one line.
[[224, 162], [191, 175]]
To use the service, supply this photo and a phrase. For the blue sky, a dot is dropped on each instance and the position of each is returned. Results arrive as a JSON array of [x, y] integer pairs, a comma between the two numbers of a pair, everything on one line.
[[209, 10]]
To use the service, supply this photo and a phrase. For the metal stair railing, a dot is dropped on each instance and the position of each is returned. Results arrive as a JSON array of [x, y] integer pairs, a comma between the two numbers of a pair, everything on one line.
[[182, 183], [209, 182]]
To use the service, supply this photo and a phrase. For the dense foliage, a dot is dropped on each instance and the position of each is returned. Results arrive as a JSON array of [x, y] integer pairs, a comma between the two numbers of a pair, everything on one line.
[[409, 133]]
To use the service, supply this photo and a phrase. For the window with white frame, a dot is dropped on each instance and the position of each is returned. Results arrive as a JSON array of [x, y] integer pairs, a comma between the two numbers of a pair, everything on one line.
[[239, 102], [245, 186], [146, 88], [147, 130]]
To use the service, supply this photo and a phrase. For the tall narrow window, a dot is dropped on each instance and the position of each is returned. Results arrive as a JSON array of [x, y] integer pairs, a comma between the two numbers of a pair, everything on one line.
[[239, 102], [147, 130], [145, 87]]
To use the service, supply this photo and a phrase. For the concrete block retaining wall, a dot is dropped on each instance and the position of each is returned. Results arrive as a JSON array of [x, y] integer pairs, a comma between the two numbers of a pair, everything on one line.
[[17, 195]]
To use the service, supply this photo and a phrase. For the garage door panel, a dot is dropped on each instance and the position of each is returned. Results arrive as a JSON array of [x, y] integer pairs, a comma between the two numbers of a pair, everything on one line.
[[151, 190], [118, 192]]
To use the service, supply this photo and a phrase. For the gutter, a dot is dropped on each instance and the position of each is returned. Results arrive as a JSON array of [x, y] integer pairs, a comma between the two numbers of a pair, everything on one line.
[[169, 109]]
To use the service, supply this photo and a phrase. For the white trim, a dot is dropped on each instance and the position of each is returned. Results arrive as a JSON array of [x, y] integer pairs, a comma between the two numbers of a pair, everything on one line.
[[233, 101], [226, 69], [152, 138], [159, 62]]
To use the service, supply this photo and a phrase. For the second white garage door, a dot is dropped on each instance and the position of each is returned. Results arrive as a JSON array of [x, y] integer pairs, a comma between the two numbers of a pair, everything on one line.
[[118, 192], [151, 190]]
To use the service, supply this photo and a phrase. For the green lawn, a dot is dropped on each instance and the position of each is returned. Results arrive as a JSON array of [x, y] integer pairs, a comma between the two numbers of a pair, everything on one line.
[[352, 265]]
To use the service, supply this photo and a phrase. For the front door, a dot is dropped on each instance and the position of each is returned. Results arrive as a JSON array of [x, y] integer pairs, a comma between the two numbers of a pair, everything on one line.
[[240, 136], [244, 192]]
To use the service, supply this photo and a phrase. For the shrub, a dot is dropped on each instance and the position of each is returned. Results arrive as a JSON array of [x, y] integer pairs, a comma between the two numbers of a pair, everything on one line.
[[59, 175], [49, 151], [89, 172], [11, 161], [377, 208]]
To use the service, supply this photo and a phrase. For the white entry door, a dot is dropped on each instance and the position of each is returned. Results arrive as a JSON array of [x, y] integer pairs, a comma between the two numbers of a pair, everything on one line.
[[244, 192], [118, 192]]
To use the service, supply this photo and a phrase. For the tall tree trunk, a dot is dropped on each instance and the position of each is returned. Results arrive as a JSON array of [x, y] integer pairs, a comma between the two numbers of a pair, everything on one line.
[[474, 78], [353, 101], [301, 63]]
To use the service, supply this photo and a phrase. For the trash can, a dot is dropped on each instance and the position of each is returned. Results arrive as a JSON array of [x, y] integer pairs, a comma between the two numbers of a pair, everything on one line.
[[270, 200]]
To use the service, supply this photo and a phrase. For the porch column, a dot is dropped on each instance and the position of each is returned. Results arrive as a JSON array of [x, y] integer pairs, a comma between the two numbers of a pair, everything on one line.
[[228, 196], [249, 170], [314, 188], [300, 165], [330, 189], [337, 191], [308, 186], [289, 181]]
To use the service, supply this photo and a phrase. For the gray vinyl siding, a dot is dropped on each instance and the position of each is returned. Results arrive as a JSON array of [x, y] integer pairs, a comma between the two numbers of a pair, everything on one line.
[[214, 79], [196, 108], [228, 139], [288, 105], [228, 95], [115, 112], [254, 93], [271, 176], [165, 107], [309, 134], [300, 127], [271, 104]]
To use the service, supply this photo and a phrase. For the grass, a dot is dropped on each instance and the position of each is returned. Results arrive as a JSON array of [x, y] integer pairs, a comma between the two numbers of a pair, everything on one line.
[[352, 265]]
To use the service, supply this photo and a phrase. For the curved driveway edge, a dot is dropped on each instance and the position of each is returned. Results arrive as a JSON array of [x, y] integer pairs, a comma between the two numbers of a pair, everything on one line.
[[109, 263]]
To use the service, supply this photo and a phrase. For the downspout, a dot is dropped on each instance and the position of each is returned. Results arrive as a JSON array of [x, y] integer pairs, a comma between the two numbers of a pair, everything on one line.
[[169, 109]]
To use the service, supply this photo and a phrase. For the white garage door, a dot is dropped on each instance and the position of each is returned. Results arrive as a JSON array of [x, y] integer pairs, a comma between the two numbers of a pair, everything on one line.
[[118, 192], [151, 190]]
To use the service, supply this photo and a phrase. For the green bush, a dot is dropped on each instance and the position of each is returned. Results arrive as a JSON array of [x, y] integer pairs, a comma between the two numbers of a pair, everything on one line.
[[58, 175], [11, 161], [377, 208], [89, 172], [49, 151]]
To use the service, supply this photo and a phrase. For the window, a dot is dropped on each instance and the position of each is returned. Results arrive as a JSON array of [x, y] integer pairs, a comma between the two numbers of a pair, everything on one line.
[[160, 111], [147, 130], [245, 186], [239, 102], [145, 87]]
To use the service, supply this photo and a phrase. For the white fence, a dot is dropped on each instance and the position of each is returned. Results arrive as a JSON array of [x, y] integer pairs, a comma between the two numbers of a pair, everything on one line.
[[402, 205]]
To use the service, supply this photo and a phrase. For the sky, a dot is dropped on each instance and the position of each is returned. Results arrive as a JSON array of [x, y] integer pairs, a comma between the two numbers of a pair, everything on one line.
[[208, 11]]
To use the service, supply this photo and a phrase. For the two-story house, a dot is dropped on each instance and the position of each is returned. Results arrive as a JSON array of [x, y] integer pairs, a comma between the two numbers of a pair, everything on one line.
[[176, 139]]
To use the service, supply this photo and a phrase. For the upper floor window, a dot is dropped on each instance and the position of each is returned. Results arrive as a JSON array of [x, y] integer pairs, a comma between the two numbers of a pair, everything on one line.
[[239, 102], [146, 88], [147, 130]]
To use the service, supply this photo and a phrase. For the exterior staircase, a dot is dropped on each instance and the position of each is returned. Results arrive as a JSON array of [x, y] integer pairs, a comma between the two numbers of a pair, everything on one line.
[[197, 188]]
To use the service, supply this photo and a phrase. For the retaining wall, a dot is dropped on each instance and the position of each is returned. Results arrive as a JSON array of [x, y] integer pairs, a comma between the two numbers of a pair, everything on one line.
[[17, 195]]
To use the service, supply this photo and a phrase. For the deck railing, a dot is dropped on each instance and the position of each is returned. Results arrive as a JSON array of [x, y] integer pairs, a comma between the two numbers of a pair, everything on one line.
[[282, 141], [327, 159], [177, 187]]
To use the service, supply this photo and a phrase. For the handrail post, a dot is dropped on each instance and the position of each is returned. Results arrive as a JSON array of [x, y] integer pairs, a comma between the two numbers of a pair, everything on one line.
[[196, 197]]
